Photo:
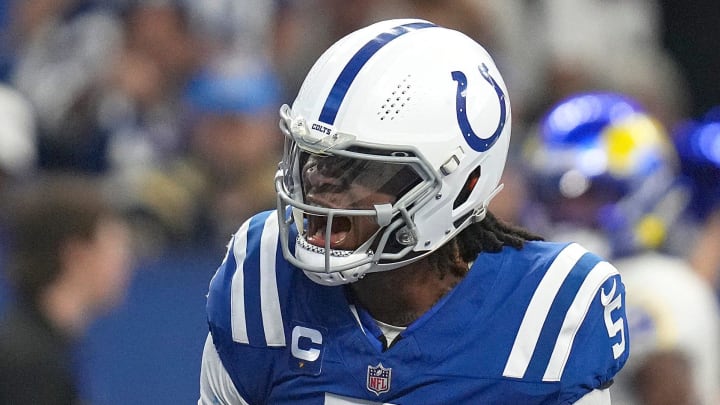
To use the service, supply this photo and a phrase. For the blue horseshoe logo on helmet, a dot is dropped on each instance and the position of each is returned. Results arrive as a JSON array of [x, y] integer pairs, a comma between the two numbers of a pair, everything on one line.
[[475, 142]]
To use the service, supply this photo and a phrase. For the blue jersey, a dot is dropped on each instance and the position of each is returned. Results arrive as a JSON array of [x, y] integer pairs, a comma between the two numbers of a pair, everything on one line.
[[541, 325]]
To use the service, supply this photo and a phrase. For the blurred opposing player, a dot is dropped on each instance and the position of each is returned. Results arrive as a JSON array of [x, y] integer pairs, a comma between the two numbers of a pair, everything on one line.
[[698, 145], [382, 277], [605, 172]]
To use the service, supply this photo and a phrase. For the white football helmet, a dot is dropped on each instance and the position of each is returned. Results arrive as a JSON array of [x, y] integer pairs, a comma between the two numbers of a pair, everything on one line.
[[395, 143]]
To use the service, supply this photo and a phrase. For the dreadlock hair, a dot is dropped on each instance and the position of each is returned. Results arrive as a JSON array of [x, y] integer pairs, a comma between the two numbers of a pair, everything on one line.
[[489, 235]]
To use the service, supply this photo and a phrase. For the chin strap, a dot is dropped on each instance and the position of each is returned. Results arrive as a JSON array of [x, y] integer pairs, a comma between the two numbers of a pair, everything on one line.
[[480, 212]]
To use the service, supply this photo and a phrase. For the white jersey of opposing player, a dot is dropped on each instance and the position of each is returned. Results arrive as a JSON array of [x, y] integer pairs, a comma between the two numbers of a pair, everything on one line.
[[670, 307]]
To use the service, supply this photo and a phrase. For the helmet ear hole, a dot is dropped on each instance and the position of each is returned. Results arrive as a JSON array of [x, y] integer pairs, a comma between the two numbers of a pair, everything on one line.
[[467, 188]]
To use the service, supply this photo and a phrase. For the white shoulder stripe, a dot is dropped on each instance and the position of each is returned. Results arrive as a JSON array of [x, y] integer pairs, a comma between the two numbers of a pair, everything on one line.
[[216, 386], [537, 311], [574, 318], [237, 294], [270, 301]]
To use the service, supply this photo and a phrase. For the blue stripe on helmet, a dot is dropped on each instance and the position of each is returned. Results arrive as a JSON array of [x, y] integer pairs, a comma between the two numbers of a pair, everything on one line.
[[351, 70]]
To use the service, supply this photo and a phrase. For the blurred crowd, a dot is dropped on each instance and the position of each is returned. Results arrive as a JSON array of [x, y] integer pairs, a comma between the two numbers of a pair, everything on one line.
[[175, 102], [173, 106]]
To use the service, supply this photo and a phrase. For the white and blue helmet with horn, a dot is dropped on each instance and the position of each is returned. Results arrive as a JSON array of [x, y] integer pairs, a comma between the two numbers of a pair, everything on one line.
[[602, 162]]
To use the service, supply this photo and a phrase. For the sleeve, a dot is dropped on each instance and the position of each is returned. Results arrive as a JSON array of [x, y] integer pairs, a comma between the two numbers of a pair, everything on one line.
[[244, 309], [216, 387], [600, 347]]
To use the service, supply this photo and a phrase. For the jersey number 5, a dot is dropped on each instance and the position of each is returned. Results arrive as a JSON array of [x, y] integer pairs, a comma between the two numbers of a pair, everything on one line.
[[614, 327]]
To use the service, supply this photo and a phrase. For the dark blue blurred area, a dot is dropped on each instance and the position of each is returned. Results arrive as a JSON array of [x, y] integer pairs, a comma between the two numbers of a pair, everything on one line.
[[148, 350]]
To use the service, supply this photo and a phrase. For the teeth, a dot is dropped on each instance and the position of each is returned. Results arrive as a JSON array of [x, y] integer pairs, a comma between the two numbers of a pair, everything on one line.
[[317, 249]]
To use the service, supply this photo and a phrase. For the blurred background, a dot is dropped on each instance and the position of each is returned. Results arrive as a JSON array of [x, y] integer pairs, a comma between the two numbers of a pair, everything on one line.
[[172, 106]]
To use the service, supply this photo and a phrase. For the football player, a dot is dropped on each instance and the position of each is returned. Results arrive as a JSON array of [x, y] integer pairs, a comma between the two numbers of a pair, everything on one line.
[[604, 171], [698, 144], [382, 278]]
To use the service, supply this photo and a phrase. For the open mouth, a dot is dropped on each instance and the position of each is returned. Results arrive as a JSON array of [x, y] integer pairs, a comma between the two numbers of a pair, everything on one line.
[[317, 231]]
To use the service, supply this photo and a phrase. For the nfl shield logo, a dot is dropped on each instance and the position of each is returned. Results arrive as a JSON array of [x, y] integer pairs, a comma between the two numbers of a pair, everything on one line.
[[378, 379]]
